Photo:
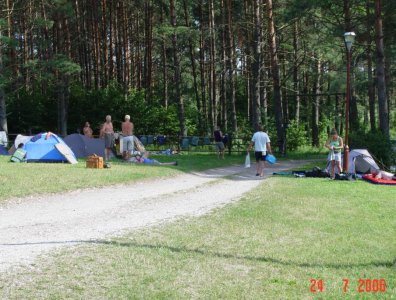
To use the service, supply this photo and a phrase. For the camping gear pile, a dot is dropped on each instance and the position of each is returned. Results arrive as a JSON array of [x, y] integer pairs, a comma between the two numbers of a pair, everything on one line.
[[360, 162]]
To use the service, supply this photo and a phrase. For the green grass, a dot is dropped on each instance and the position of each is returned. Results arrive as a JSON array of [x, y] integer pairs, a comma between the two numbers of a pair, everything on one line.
[[269, 245], [17, 180]]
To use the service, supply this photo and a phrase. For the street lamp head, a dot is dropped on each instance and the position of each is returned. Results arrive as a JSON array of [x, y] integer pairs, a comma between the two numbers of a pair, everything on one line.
[[349, 38]]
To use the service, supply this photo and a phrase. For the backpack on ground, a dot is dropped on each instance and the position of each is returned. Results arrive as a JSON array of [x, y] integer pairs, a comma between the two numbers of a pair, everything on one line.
[[18, 156]]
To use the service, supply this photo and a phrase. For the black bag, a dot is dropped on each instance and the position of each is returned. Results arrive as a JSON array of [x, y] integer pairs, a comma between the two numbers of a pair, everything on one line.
[[346, 176]]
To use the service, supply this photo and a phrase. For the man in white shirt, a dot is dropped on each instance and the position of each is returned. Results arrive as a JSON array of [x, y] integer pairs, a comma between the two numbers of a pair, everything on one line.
[[262, 146]]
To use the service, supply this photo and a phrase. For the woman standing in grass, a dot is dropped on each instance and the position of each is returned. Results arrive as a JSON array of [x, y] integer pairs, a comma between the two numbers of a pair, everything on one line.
[[218, 137], [335, 145]]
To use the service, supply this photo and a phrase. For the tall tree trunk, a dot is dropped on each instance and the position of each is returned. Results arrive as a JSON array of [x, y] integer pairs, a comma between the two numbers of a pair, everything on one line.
[[275, 78], [13, 66], [138, 59], [381, 86], [164, 63], [176, 64], [264, 90], [111, 41], [96, 47], [305, 99], [316, 106], [63, 97], [370, 90], [256, 109], [62, 88], [86, 49], [104, 38], [285, 98], [296, 85], [202, 68], [223, 74], [231, 63], [119, 44], [3, 111], [212, 69], [79, 37], [148, 49], [194, 69], [246, 59], [125, 51]]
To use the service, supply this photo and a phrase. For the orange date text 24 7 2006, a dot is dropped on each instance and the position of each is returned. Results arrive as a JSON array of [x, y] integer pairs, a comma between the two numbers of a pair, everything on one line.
[[362, 286]]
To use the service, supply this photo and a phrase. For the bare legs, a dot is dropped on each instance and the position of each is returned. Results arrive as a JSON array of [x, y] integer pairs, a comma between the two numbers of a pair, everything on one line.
[[107, 154], [260, 168], [220, 153], [338, 165], [335, 164]]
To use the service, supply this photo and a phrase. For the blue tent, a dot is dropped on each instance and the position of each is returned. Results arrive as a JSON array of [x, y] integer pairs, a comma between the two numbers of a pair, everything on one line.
[[41, 148], [3, 150]]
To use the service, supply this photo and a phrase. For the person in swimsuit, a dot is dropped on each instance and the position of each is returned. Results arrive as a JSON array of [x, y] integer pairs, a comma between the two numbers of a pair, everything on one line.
[[335, 144]]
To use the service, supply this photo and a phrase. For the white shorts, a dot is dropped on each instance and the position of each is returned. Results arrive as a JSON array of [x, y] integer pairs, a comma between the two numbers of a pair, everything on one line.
[[334, 156], [127, 143]]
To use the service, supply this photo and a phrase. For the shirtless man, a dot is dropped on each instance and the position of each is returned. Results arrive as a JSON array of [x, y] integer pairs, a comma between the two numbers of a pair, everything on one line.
[[127, 141], [107, 133]]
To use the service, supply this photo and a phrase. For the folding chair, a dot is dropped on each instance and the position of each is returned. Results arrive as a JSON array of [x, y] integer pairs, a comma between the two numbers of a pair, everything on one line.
[[143, 140], [185, 144]]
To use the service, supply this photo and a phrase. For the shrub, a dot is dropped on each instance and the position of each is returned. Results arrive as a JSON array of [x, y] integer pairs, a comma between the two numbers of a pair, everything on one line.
[[295, 136]]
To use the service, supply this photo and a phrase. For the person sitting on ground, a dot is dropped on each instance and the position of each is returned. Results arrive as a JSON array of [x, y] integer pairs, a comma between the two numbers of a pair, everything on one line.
[[87, 130], [379, 174], [335, 145], [19, 155], [107, 132], [127, 140], [218, 137]]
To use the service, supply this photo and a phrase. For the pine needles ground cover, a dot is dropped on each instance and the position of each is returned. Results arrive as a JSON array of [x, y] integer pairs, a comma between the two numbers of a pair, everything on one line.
[[269, 245]]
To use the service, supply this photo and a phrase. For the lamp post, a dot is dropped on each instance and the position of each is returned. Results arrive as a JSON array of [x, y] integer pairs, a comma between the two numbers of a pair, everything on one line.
[[349, 38]]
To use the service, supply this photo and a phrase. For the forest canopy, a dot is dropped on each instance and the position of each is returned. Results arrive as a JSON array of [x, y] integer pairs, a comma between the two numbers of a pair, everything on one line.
[[185, 67]]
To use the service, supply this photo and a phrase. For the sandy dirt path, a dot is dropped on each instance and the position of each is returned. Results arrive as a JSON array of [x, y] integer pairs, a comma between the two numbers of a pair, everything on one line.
[[40, 224]]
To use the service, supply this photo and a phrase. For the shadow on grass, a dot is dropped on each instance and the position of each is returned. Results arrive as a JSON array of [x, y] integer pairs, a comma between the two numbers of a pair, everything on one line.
[[386, 264]]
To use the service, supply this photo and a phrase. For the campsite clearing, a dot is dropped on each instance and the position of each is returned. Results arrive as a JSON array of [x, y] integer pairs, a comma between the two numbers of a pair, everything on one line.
[[269, 245], [25, 179], [42, 223]]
